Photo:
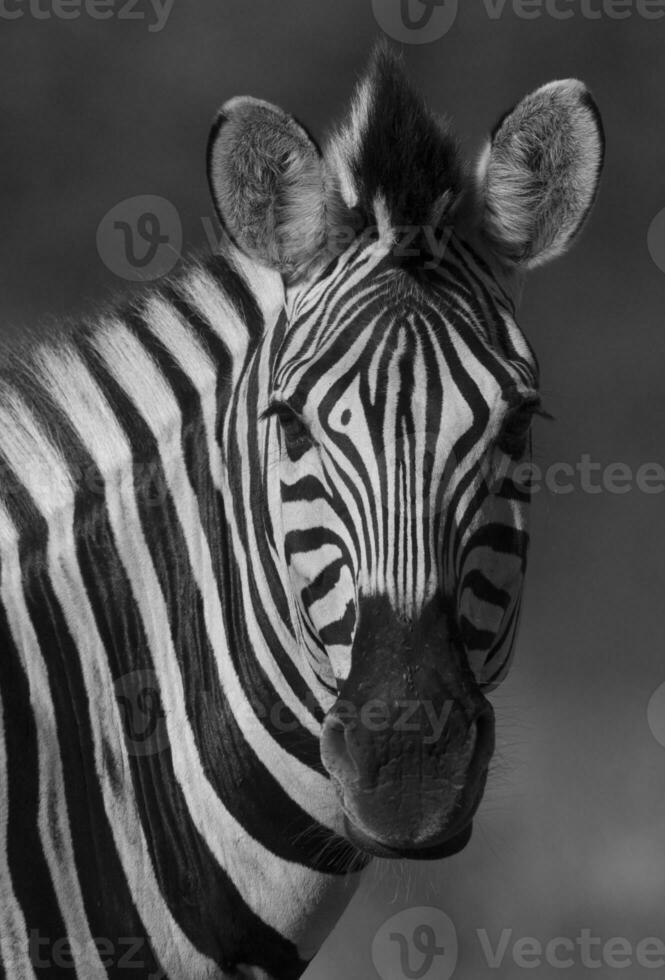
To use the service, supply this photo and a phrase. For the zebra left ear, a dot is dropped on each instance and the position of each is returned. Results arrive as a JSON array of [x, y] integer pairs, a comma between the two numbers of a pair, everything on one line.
[[538, 177], [268, 184]]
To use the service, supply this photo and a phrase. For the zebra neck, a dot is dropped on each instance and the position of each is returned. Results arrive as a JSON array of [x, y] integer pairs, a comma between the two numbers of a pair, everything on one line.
[[126, 566]]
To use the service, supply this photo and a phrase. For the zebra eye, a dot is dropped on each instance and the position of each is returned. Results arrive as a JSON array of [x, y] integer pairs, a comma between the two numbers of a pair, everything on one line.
[[297, 437], [514, 436]]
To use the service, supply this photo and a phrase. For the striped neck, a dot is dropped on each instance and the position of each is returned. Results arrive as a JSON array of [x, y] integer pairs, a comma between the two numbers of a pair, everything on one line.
[[130, 560]]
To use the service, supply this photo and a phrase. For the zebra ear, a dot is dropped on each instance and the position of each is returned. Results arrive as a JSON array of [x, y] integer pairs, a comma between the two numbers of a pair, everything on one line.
[[266, 176], [539, 174]]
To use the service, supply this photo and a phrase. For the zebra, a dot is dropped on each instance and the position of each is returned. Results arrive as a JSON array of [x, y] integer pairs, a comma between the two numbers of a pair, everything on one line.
[[278, 504]]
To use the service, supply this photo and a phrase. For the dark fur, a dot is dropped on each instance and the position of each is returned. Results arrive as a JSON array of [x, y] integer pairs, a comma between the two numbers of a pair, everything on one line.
[[407, 154]]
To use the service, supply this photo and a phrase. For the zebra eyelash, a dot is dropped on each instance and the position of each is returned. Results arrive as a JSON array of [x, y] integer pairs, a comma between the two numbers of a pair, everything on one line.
[[539, 412], [535, 406], [279, 410], [514, 434], [529, 405], [296, 432]]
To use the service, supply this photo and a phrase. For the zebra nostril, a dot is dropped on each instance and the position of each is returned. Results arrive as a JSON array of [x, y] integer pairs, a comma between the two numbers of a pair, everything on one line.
[[335, 728], [335, 753]]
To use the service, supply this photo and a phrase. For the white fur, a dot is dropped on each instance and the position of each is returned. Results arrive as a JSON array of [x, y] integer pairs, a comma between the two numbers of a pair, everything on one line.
[[14, 952], [347, 142], [211, 303], [531, 217], [53, 823], [54, 497]]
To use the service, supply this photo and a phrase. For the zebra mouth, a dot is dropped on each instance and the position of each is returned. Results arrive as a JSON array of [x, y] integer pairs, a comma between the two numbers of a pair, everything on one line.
[[433, 852]]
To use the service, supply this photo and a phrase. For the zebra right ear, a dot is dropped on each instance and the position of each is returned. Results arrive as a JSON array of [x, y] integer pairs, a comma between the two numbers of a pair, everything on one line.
[[539, 174], [267, 180]]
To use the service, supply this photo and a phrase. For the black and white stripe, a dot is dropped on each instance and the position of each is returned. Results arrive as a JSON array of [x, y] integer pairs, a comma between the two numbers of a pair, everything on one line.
[[291, 474], [429, 507], [127, 551]]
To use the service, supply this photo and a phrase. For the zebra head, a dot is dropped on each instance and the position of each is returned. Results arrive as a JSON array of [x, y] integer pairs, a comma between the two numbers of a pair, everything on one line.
[[396, 394]]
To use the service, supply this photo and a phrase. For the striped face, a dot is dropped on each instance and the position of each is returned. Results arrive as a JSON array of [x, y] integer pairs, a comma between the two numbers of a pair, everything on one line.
[[398, 400], [398, 417]]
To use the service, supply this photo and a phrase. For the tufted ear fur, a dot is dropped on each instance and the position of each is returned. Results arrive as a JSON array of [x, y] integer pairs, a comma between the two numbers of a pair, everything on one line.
[[394, 166], [268, 183], [538, 176]]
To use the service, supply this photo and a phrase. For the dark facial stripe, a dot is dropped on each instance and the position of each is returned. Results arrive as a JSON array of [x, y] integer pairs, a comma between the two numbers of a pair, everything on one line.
[[484, 589], [461, 282], [504, 644], [250, 503], [323, 583], [340, 632]]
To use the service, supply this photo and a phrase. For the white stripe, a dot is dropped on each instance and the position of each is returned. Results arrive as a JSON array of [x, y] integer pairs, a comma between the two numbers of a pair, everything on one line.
[[14, 954], [54, 830], [423, 444], [181, 342], [178, 338], [140, 378], [247, 861], [389, 436], [55, 500], [212, 304], [266, 285], [242, 549]]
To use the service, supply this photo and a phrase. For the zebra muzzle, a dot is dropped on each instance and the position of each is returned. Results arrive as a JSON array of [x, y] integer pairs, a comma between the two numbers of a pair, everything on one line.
[[410, 738]]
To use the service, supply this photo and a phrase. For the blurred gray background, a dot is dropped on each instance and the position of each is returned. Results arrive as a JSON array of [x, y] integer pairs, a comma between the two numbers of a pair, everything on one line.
[[572, 832]]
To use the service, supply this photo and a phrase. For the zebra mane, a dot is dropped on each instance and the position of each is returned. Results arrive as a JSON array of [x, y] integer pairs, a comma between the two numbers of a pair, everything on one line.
[[19, 343], [230, 311], [395, 160]]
